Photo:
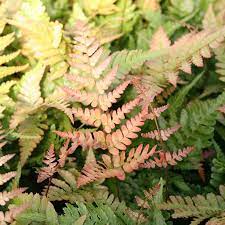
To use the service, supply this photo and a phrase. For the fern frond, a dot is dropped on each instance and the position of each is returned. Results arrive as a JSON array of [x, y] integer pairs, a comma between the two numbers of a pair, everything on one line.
[[168, 158], [109, 210], [93, 171], [120, 139], [29, 96], [149, 194], [165, 94], [162, 134], [119, 114], [196, 117], [7, 196], [96, 118], [156, 112], [130, 60], [104, 101], [29, 88], [5, 158], [198, 207], [65, 189], [115, 166], [5, 41], [137, 157], [190, 49], [58, 102], [50, 168], [30, 134], [159, 40], [39, 210], [10, 216], [86, 139], [41, 39], [212, 20]]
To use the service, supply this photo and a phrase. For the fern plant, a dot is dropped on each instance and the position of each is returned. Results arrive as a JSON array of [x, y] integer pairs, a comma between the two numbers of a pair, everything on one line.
[[91, 78]]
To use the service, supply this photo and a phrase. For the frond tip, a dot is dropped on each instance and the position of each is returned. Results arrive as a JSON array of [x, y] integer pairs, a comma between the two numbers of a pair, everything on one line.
[[161, 134], [168, 158], [51, 165]]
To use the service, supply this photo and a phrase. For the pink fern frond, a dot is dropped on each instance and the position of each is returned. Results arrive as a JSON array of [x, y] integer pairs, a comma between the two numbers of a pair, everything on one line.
[[96, 118], [93, 117], [6, 177], [86, 139], [7, 196], [6, 158], [65, 151], [103, 84], [168, 158], [93, 171], [120, 139], [119, 114], [156, 112], [11, 214], [80, 81], [161, 134], [137, 157], [105, 101], [51, 165]]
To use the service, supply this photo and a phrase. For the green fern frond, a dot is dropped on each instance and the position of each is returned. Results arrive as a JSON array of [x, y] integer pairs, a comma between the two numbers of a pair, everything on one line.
[[130, 60], [196, 117], [41, 211], [218, 167], [5, 41], [199, 208], [65, 189], [5, 100], [30, 134], [108, 211], [29, 95]]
